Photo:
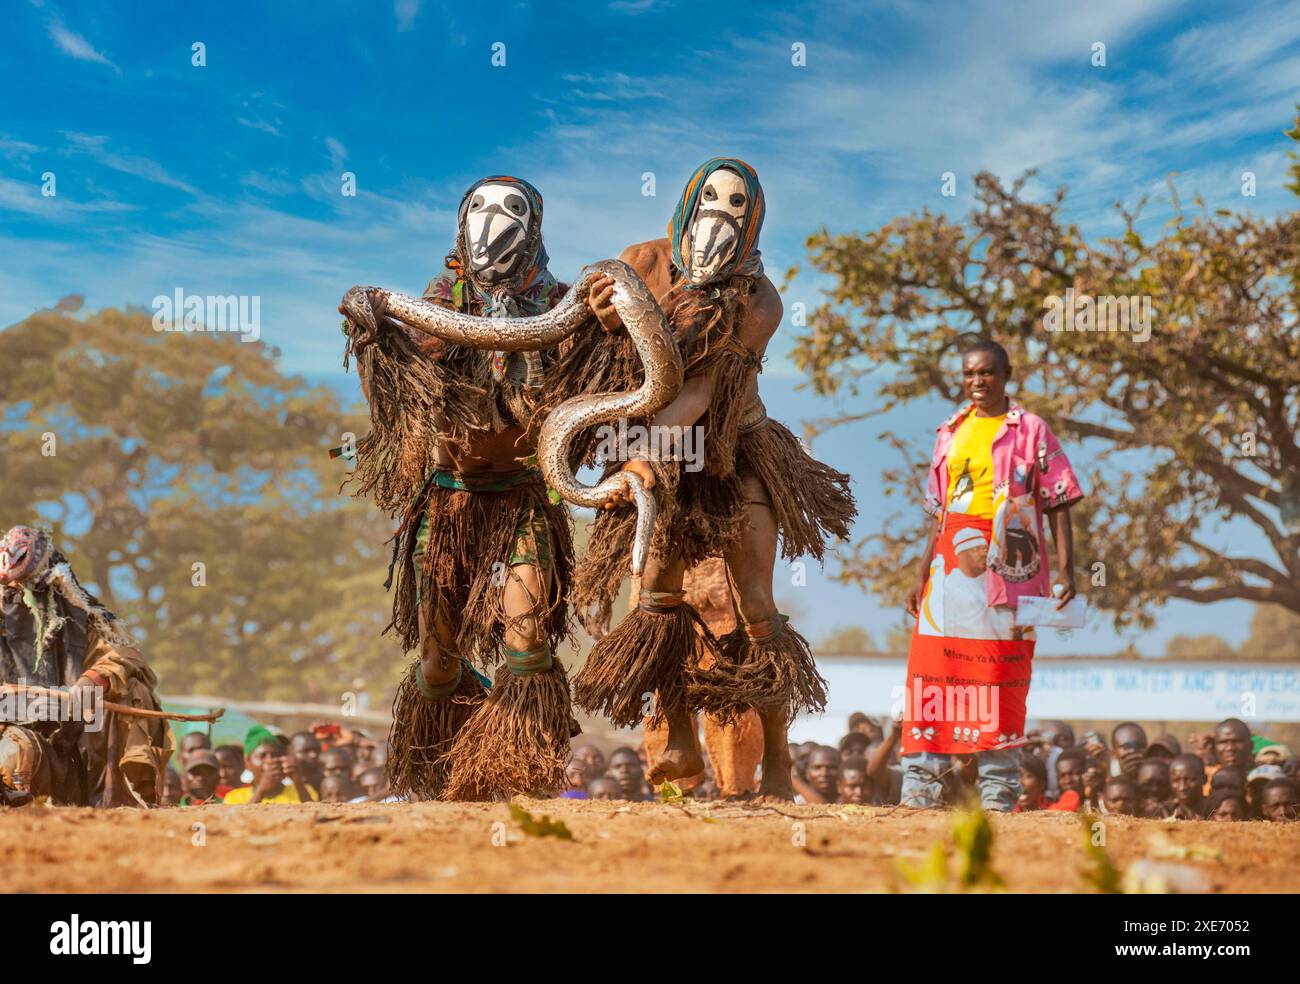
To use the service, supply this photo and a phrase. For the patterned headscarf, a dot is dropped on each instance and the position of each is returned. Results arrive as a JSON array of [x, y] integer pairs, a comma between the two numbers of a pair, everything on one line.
[[747, 259]]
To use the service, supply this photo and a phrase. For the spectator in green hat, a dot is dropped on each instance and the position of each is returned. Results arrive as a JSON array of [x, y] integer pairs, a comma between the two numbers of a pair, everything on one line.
[[275, 773]]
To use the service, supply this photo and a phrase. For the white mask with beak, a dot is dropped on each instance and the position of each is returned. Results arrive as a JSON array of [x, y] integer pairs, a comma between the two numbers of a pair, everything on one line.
[[497, 220], [715, 229]]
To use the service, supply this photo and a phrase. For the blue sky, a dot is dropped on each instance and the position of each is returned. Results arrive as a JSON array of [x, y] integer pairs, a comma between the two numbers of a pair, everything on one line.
[[226, 178]]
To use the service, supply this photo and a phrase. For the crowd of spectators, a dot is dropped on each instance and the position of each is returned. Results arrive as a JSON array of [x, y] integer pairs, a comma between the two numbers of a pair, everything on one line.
[[326, 763], [1228, 774]]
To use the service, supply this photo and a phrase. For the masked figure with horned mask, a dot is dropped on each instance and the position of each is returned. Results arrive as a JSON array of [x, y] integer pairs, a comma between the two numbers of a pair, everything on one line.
[[752, 489], [56, 636]]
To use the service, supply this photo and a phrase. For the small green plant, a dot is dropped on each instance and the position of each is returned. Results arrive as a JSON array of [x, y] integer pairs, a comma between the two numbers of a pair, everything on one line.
[[670, 792], [545, 827], [1098, 870], [973, 835], [972, 861]]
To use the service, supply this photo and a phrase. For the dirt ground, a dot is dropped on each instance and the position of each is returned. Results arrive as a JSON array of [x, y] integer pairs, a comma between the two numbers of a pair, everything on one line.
[[616, 847]]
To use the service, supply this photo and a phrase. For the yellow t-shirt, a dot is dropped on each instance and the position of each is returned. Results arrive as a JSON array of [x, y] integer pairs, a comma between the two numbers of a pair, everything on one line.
[[288, 794], [970, 466]]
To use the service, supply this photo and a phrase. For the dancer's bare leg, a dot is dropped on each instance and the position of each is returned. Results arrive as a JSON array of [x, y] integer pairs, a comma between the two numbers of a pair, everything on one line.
[[682, 756], [439, 663], [523, 601], [751, 563]]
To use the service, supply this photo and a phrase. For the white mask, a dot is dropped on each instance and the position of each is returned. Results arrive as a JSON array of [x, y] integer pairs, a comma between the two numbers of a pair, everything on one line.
[[716, 227], [497, 219]]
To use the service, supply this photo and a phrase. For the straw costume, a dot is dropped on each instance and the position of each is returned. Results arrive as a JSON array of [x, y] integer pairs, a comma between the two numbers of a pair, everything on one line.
[[713, 272], [472, 537]]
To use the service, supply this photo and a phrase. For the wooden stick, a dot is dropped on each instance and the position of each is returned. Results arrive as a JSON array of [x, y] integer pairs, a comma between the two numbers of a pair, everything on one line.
[[116, 708]]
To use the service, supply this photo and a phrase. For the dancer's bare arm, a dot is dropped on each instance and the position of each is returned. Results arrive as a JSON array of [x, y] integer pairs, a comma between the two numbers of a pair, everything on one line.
[[763, 316], [1063, 539]]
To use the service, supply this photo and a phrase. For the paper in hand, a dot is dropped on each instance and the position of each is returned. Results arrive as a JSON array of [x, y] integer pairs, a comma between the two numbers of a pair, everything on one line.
[[1036, 610]]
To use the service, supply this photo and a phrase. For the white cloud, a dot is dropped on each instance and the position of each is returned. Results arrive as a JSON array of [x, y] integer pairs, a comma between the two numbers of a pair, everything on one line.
[[74, 45], [25, 197], [145, 168], [338, 153], [16, 149], [258, 125], [406, 11], [268, 184], [636, 6]]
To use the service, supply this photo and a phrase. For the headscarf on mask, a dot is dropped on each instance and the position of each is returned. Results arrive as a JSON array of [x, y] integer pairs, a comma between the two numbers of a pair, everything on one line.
[[722, 217], [499, 253]]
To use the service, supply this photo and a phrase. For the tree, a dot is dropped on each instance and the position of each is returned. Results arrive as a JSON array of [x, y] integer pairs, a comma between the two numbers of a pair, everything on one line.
[[1205, 647], [187, 480], [1274, 635], [1190, 430], [849, 640]]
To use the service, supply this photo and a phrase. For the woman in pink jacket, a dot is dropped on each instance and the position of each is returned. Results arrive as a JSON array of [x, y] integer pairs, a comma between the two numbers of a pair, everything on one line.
[[998, 470]]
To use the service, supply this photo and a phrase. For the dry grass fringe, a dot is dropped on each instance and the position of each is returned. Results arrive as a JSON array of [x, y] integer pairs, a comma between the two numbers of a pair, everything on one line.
[[405, 393], [811, 502], [517, 740], [646, 653], [423, 731], [470, 532], [772, 672]]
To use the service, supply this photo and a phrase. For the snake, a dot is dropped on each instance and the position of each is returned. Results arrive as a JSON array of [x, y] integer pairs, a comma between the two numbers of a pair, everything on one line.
[[648, 328]]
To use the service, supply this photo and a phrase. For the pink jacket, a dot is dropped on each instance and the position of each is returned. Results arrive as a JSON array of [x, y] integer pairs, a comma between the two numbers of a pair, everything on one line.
[[1031, 475]]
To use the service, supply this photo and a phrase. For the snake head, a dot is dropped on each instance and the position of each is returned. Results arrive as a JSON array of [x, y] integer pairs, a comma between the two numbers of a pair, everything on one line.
[[364, 307]]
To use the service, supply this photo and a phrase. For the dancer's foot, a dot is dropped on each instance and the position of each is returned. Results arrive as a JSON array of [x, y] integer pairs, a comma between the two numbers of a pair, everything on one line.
[[676, 763], [13, 797], [776, 786], [776, 756]]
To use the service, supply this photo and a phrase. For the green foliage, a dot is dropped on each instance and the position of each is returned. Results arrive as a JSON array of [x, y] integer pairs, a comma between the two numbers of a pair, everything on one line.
[[971, 867], [1294, 171], [174, 450], [1098, 870], [972, 836], [1204, 647], [931, 875], [670, 792], [1274, 635], [1192, 430], [545, 827]]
